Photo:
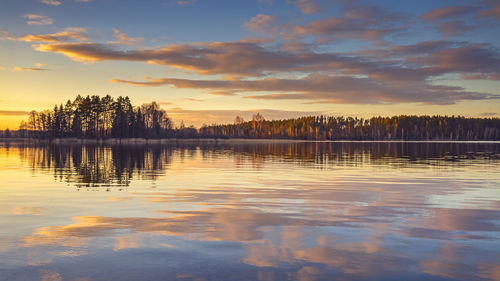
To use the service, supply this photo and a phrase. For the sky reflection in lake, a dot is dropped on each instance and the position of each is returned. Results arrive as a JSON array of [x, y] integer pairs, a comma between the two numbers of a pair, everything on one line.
[[293, 211]]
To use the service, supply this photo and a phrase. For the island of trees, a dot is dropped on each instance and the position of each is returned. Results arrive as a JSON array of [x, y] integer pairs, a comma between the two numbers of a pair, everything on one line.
[[98, 117]]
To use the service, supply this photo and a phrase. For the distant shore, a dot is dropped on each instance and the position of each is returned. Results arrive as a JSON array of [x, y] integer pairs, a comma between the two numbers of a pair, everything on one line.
[[142, 141]]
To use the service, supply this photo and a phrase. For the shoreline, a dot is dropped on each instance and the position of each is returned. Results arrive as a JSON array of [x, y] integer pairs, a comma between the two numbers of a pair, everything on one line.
[[143, 141]]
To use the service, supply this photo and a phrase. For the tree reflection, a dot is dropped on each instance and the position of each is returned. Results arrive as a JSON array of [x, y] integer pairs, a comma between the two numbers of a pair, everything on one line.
[[117, 165], [94, 165]]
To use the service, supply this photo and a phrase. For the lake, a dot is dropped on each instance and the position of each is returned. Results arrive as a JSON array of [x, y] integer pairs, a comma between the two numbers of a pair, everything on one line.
[[250, 211]]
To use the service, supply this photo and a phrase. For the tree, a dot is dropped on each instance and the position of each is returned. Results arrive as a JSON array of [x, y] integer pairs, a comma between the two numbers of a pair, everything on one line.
[[239, 120], [76, 125]]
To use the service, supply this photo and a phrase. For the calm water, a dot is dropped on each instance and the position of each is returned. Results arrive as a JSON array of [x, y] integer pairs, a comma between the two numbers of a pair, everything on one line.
[[301, 211]]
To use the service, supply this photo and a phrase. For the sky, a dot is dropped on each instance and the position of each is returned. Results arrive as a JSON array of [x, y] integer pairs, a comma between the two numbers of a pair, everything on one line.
[[206, 61]]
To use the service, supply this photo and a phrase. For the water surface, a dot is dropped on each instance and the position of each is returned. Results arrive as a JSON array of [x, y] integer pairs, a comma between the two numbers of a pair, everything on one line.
[[291, 211]]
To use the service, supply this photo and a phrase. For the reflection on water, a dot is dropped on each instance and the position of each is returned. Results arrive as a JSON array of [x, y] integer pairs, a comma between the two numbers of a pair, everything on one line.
[[93, 165], [290, 211], [97, 166]]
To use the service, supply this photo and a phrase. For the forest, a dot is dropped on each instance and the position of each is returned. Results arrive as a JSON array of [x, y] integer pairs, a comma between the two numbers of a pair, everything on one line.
[[96, 117], [106, 117]]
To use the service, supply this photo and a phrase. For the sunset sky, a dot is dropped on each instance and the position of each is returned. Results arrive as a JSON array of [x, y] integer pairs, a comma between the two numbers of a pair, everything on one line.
[[207, 61]]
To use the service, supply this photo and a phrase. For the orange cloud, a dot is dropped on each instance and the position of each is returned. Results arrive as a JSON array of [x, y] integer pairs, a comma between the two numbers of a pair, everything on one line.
[[17, 68], [37, 68], [193, 99], [121, 38], [68, 34]]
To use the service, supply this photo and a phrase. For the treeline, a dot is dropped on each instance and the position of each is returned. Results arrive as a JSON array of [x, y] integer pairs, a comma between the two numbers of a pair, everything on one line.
[[347, 128], [96, 117]]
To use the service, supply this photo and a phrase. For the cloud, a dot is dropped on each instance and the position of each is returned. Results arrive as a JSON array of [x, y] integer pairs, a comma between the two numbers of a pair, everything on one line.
[[489, 271], [37, 68], [4, 35], [454, 28], [83, 1], [222, 93], [367, 23], [461, 220], [46, 275], [480, 58], [241, 58], [233, 58], [340, 28], [13, 112], [262, 24], [121, 38], [197, 223], [51, 2], [29, 68], [21, 210], [166, 103], [448, 262], [326, 89], [481, 76], [193, 99], [186, 2], [449, 19], [68, 34], [356, 21], [391, 75], [494, 12], [423, 48], [307, 6], [449, 12], [34, 19]]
